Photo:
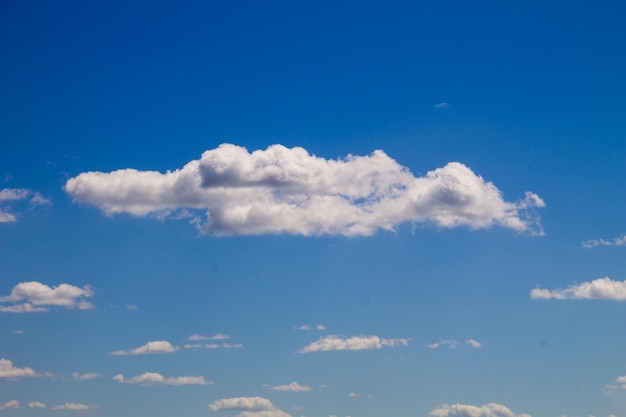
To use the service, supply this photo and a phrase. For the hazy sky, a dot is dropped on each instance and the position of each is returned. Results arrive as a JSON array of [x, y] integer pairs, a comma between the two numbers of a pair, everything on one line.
[[285, 209]]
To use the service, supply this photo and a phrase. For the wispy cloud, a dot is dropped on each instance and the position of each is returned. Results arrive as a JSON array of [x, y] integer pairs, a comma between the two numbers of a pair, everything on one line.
[[289, 191], [598, 289], [36, 404], [196, 346], [85, 377], [9, 197], [594, 243], [157, 346], [33, 296], [292, 387], [197, 337], [450, 344], [353, 394], [473, 343], [10, 405], [153, 378], [464, 410], [75, 407], [308, 328], [335, 342], [442, 105]]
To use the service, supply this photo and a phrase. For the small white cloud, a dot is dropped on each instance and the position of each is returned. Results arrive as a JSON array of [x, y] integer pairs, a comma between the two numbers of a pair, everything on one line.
[[292, 387], [609, 389], [36, 404], [283, 190], [7, 370], [442, 105], [594, 243], [306, 327], [10, 405], [353, 395], [158, 346], [473, 343], [17, 331], [197, 337], [85, 377], [9, 197], [463, 410], [75, 407], [243, 403], [33, 296], [335, 342], [196, 346], [598, 289], [131, 307], [153, 378], [450, 344], [263, 413]]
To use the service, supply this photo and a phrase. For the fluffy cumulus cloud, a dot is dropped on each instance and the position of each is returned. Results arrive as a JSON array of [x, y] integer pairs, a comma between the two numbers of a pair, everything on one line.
[[153, 378], [8, 371], [287, 190], [463, 410], [598, 289], [75, 407], [158, 346], [594, 243], [243, 404], [33, 296], [36, 404], [292, 387], [334, 342], [10, 197], [10, 405]]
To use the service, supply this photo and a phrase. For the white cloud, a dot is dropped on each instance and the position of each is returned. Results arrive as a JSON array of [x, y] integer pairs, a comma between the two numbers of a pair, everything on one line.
[[36, 404], [10, 196], [243, 403], [594, 243], [463, 410], [353, 394], [450, 344], [10, 405], [85, 377], [33, 296], [598, 289], [158, 346], [196, 346], [75, 407], [197, 337], [287, 190], [306, 327], [130, 307], [334, 342], [153, 378], [19, 331], [264, 413], [292, 387], [442, 105], [7, 370], [474, 343]]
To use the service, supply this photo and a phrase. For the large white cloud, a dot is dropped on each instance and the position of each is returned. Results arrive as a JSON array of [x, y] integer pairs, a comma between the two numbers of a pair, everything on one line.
[[10, 196], [157, 346], [153, 378], [601, 288], [33, 296], [335, 342], [292, 387], [464, 410], [243, 403], [288, 190]]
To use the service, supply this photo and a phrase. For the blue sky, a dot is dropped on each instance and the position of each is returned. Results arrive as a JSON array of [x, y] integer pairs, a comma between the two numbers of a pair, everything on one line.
[[233, 209]]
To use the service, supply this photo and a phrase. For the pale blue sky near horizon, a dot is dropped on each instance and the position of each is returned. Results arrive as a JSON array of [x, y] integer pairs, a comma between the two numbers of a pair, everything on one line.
[[528, 96]]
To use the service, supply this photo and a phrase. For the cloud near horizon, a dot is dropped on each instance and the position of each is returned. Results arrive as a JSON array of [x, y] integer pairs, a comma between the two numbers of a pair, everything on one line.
[[34, 297], [155, 347], [283, 190], [75, 407], [464, 410], [292, 387], [598, 289], [153, 378], [335, 342]]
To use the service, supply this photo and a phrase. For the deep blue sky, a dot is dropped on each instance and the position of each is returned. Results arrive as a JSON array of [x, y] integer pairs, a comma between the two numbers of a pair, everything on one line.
[[534, 101]]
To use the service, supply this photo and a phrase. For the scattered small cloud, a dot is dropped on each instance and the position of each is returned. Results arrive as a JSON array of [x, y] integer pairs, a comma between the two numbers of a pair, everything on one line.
[[36, 404], [198, 337], [85, 377], [442, 105], [594, 243], [450, 344], [306, 327], [130, 307], [474, 343], [10, 372], [292, 387], [10, 405], [75, 407], [10, 197], [609, 389], [335, 342], [463, 410], [353, 394], [598, 289], [19, 331], [283, 190], [196, 346], [33, 296], [153, 378], [155, 347]]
